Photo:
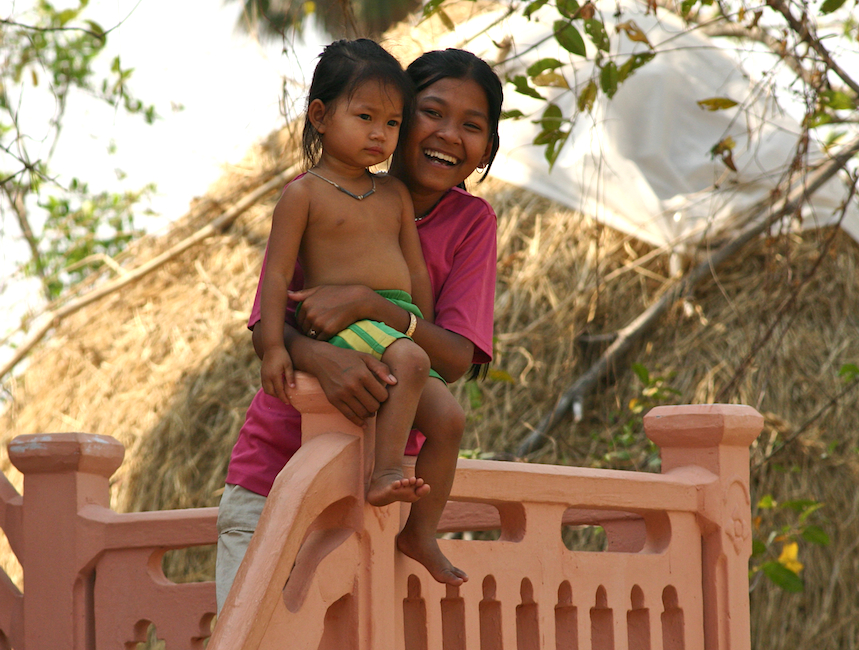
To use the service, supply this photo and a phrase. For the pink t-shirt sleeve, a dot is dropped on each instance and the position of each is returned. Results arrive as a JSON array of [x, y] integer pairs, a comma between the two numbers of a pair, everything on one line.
[[459, 245]]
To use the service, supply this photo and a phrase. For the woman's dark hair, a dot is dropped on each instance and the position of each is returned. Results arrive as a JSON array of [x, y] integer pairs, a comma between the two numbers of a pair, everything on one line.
[[344, 66], [451, 63]]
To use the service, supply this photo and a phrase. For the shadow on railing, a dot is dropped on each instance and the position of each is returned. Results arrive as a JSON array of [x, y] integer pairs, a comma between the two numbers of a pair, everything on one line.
[[322, 571]]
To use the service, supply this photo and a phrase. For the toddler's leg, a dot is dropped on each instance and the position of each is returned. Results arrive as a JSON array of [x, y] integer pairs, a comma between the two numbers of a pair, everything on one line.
[[441, 420], [410, 365]]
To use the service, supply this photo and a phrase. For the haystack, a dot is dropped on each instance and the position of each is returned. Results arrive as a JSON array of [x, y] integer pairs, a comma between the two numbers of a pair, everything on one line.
[[166, 366]]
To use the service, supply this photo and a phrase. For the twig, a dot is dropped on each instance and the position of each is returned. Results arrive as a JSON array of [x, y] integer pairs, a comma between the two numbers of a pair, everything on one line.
[[630, 334], [832, 402], [55, 317]]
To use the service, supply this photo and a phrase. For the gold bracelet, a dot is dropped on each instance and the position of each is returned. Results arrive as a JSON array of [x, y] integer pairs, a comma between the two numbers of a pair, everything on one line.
[[413, 324]]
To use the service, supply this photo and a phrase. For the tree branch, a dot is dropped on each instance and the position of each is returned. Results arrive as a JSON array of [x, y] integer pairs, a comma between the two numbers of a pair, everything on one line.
[[802, 31], [630, 334], [219, 224]]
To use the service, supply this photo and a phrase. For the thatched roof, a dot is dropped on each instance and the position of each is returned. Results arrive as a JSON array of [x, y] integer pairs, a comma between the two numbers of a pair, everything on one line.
[[166, 366]]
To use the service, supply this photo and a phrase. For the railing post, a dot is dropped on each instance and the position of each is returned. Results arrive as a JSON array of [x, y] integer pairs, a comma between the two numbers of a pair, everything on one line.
[[716, 437], [62, 473]]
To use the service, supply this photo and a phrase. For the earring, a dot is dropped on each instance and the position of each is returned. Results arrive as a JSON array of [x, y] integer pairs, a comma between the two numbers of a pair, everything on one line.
[[482, 167]]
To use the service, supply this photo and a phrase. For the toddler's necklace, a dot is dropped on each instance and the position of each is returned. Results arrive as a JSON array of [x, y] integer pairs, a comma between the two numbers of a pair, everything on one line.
[[359, 197]]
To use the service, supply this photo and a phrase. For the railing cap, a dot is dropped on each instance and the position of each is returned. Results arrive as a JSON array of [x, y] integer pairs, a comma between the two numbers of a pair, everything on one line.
[[53, 453], [307, 396], [703, 425]]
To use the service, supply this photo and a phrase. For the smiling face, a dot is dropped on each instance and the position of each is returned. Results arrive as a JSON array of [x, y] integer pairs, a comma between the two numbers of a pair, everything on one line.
[[358, 131], [449, 136]]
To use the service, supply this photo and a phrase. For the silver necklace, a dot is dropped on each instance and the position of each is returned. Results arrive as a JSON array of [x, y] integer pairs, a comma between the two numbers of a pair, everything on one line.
[[434, 206], [359, 197]]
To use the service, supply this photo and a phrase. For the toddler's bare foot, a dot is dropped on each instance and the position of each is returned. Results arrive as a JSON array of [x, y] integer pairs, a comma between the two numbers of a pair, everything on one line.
[[427, 552], [387, 488]]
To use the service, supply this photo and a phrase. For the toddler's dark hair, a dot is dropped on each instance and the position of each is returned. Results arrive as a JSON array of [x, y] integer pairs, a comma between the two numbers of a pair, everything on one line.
[[436, 65], [343, 66]]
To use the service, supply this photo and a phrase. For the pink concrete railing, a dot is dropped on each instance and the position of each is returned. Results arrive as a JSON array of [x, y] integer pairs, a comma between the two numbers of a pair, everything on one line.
[[322, 572]]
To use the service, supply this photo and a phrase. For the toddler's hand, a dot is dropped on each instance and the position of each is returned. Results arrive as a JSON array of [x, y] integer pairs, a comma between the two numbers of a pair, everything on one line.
[[276, 373]]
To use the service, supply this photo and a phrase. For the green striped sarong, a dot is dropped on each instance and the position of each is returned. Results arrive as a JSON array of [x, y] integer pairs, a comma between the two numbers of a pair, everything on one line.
[[374, 337]]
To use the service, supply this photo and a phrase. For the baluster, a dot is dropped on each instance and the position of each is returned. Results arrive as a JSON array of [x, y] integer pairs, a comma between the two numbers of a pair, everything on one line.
[[566, 619], [414, 617], [490, 617], [673, 628], [453, 620], [638, 621], [602, 622], [527, 619]]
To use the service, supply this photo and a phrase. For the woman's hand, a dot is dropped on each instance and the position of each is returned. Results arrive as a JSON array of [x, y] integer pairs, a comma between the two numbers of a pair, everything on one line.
[[327, 310], [354, 382]]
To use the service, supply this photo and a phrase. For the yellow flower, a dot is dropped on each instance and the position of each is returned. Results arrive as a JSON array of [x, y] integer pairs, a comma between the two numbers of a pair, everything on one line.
[[787, 559]]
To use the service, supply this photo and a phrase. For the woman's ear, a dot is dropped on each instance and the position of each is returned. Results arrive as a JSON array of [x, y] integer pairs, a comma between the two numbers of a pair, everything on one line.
[[316, 114], [487, 154]]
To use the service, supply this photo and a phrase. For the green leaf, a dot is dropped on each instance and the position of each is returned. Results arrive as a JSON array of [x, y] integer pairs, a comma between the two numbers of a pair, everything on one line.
[[569, 37], [758, 548], [568, 8], [632, 64], [766, 502], [801, 505], [554, 149], [496, 374], [608, 79], [642, 373], [532, 7], [551, 119], [95, 28], [587, 97], [522, 87], [717, 103], [596, 30], [514, 114], [431, 7], [849, 371], [815, 535], [818, 118], [550, 78], [66, 15], [829, 6], [542, 65], [783, 577], [446, 20], [686, 6], [838, 100]]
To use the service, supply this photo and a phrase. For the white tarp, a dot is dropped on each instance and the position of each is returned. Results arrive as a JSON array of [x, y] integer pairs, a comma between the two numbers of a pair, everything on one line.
[[641, 162]]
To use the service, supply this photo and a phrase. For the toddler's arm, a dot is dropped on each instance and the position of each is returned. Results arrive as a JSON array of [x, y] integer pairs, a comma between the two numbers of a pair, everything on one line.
[[287, 228]]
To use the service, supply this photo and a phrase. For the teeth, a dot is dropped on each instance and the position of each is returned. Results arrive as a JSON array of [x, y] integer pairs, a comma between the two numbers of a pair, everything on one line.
[[450, 160]]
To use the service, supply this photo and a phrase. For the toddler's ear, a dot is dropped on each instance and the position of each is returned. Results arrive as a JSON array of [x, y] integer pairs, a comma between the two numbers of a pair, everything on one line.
[[316, 114]]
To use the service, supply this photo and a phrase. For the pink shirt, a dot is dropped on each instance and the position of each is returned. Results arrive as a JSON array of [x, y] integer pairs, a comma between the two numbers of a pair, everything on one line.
[[459, 246]]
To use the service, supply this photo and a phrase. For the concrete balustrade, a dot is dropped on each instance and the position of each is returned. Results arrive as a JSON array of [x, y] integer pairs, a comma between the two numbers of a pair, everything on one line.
[[323, 573]]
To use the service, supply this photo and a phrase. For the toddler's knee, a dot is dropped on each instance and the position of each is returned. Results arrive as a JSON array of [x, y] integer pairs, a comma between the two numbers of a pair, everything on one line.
[[451, 418], [407, 360]]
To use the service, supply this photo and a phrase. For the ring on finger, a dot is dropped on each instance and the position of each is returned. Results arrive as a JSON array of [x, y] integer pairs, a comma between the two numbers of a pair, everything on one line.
[[312, 333]]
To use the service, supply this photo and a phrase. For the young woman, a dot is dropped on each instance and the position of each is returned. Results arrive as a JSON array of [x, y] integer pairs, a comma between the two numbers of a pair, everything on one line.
[[453, 131]]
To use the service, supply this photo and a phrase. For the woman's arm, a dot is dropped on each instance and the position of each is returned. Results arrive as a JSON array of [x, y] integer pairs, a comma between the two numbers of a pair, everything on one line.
[[332, 308], [354, 382]]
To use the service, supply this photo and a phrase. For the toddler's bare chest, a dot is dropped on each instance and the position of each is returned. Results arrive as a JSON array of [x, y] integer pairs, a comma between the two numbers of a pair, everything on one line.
[[355, 224]]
